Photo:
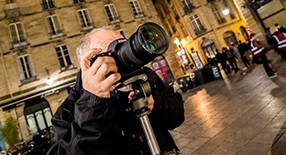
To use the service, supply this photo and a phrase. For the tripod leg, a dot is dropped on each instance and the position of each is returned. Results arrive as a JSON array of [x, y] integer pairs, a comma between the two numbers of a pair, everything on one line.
[[150, 136]]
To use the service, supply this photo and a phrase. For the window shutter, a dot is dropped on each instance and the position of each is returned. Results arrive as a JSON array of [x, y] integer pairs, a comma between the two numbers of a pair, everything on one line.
[[13, 32], [32, 71], [57, 24], [20, 67], [21, 32]]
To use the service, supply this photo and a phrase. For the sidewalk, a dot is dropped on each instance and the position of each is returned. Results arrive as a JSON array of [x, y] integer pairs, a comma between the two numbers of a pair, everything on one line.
[[243, 114]]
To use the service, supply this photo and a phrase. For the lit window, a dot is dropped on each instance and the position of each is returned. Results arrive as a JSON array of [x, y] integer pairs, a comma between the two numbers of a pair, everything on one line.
[[84, 18], [17, 34], [25, 67], [136, 9], [32, 126], [38, 115], [63, 57], [54, 25], [111, 13]]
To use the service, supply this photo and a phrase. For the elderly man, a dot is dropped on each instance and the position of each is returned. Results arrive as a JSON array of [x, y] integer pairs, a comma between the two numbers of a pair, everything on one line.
[[94, 118]]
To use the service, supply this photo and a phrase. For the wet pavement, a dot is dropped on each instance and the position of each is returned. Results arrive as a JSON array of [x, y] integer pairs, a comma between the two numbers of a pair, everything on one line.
[[243, 114]]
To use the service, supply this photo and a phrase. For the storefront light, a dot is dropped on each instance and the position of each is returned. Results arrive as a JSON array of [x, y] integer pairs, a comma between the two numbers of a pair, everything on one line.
[[177, 42]]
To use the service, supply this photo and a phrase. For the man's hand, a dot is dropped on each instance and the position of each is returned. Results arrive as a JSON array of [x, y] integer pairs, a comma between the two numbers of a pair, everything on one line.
[[94, 77], [150, 100]]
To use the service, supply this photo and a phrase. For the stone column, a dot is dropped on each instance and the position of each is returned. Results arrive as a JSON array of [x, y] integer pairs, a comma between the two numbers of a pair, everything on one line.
[[252, 19]]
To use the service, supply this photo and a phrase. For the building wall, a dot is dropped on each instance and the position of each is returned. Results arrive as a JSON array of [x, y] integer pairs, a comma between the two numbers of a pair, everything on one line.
[[212, 29], [258, 19], [41, 47]]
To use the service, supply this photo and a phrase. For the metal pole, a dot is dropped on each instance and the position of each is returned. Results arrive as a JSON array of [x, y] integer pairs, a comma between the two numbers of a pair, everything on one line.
[[150, 136]]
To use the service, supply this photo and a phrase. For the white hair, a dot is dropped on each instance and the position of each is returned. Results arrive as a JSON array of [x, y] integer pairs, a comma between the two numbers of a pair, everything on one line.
[[273, 29], [84, 45]]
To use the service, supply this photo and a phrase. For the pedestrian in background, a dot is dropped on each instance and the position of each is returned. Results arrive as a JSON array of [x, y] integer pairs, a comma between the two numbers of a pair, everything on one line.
[[279, 41], [259, 53], [230, 59], [243, 49], [222, 59], [280, 28], [237, 55], [269, 36]]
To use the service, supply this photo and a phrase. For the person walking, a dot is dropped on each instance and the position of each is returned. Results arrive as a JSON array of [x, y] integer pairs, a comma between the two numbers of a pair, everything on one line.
[[222, 59], [230, 59], [259, 53], [237, 55], [279, 41], [243, 49]]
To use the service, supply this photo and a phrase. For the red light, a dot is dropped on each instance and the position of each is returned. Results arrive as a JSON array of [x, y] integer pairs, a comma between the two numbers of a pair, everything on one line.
[[164, 73]]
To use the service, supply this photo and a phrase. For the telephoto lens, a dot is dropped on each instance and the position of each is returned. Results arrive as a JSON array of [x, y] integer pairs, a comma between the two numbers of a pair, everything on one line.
[[148, 42]]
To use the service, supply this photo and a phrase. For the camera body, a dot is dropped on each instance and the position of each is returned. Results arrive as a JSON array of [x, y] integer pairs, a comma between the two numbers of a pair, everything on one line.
[[143, 46]]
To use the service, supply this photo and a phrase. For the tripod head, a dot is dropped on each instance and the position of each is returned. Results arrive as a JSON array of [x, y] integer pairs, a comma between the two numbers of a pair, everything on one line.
[[142, 91]]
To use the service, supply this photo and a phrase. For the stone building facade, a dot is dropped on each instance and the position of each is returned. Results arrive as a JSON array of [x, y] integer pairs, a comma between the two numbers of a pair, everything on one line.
[[38, 61], [199, 27]]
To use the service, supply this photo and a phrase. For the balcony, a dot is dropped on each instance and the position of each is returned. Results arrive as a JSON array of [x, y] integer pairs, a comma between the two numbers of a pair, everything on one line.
[[188, 8], [19, 43], [86, 27], [11, 10], [115, 20], [58, 33], [199, 30]]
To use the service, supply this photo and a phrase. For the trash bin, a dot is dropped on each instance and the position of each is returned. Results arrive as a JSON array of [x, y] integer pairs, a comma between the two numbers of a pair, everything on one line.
[[199, 76], [183, 83]]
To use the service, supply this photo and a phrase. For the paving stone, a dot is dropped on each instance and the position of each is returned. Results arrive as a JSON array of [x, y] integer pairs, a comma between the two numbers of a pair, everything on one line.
[[237, 115]]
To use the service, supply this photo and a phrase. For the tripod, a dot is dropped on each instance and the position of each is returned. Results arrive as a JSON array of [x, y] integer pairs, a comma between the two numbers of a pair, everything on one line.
[[142, 90]]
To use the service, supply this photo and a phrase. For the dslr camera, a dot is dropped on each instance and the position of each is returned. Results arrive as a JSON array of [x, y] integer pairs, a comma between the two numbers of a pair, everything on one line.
[[148, 42]]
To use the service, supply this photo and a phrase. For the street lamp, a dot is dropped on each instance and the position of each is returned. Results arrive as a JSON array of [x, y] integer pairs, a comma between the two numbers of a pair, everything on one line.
[[49, 81], [177, 42], [226, 11]]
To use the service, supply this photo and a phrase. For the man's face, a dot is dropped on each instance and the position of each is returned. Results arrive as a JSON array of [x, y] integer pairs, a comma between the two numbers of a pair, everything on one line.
[[101, 39]]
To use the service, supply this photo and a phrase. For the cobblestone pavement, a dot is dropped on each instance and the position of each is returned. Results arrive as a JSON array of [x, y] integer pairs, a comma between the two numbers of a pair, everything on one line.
[[243, 114]]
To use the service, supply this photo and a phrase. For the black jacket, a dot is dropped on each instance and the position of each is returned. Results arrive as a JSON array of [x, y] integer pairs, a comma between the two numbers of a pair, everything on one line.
[[87, 124]]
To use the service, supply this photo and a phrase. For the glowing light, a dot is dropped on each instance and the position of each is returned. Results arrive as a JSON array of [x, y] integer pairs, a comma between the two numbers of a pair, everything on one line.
[[225, 11], [177, 41], [50, 81]]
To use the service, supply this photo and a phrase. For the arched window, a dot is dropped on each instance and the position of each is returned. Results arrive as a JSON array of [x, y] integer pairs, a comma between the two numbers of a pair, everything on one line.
[[244, 32], [38, 115], [229, 37], [209, 48]]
